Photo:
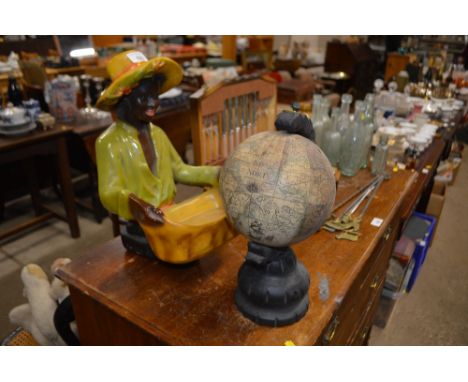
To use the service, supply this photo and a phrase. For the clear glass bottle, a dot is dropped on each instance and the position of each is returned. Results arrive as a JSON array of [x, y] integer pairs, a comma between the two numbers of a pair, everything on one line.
[[332, 139], [325, 122], [351, 149], [379, 163], [344, 120], [316, 114], [368, 128]]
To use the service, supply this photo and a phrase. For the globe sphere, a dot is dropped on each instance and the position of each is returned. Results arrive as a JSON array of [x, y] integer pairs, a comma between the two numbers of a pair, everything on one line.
[[277, 188]]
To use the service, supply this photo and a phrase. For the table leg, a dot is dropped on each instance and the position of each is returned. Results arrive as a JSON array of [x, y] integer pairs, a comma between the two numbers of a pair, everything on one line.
[[2, 204], [115, 224], [67, 188], [31, 174]]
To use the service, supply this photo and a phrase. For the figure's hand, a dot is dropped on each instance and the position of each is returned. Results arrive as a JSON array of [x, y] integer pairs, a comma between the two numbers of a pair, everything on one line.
[[144, 212]]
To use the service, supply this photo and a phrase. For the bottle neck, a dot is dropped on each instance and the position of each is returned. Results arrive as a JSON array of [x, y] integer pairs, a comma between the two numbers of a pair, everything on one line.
[[324, 111], [316, 110], [358, 114], [336, 114], [345, 107]]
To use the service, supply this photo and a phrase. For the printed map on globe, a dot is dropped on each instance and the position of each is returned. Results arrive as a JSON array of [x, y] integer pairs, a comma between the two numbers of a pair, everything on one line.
[[277, 188]]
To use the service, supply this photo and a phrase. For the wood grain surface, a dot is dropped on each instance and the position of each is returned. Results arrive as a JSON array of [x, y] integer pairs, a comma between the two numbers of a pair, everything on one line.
[[194, 304]]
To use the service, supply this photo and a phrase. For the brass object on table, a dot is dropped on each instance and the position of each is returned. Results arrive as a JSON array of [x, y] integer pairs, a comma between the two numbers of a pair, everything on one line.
[[347, 225]]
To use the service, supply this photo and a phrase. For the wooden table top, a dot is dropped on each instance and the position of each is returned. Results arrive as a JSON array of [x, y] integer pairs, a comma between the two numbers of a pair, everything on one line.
[[15, 73], [427, 162], [194, 304], [64, 70], [35, 136], [87, 128]]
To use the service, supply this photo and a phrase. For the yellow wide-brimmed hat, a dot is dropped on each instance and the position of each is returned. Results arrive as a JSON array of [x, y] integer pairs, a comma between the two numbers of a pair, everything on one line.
[[127, 69]]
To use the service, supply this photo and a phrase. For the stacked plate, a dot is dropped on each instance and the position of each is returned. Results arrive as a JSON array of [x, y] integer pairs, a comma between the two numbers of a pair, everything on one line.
[[15, 121], [17, 128]]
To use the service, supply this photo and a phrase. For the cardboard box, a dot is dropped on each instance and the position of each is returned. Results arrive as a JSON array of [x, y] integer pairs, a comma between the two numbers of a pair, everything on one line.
[[435, 205], [434, 208], [447, 171], [439, 188], [456, 162]]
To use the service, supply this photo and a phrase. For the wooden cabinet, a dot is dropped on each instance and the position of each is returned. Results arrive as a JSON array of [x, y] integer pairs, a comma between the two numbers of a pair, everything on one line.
[[395, 64], [123, 299], [352, 321]]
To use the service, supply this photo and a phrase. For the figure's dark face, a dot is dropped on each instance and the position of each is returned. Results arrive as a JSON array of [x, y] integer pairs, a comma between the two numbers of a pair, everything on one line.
[[143, 100]]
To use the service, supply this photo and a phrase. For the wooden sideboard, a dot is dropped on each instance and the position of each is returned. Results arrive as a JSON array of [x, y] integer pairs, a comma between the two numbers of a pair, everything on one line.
[[122, 299]]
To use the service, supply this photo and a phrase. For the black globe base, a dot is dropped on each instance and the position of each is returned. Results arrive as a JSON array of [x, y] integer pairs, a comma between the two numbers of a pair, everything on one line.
[[272, 286]]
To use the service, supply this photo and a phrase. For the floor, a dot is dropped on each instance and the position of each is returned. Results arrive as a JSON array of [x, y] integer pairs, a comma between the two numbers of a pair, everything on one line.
[[434, 313]]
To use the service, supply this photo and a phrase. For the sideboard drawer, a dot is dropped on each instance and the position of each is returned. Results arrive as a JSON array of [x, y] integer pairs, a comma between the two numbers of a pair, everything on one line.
[[360, 297], [361, 334]]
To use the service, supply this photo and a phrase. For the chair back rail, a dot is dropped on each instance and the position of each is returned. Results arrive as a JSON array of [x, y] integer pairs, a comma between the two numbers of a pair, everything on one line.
[[224, 116]]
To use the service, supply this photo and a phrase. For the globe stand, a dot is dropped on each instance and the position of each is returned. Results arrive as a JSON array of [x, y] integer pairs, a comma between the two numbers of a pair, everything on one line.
[[272, 286]]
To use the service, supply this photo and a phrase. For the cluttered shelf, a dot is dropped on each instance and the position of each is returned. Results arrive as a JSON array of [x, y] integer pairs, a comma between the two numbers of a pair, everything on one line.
[[122, 298]]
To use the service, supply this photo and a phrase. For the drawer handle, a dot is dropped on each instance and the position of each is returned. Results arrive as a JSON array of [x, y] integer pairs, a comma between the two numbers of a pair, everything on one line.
[[387, 233], [328, 337], [375, 282], [364, 332]]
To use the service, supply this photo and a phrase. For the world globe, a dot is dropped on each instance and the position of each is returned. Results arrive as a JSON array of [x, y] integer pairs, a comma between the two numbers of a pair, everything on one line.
[[277, 188]]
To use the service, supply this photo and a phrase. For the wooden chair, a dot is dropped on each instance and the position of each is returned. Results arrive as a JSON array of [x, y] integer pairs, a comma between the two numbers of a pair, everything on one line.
[[34, 73], [254, 60], [34, 79], [225, 115]]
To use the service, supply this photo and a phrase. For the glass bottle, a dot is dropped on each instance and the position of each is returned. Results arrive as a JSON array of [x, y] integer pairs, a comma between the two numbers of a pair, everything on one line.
[[351, 149], [14, 92], [379, 164], [343, 122], [317, 122], [332, 139], [368, 128], [326, 122]]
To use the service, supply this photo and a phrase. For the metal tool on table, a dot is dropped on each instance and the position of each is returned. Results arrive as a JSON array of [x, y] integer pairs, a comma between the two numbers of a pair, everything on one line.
[[224, 137], [243, 118], [254, 114], [207, 135], [353, 195], [249, 115], [248, 118], [215, 137], [231, 126], [236, 122], [346, 224]]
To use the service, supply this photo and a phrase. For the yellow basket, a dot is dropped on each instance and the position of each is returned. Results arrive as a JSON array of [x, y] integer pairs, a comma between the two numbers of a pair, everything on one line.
[[19, 337], [191, 229]]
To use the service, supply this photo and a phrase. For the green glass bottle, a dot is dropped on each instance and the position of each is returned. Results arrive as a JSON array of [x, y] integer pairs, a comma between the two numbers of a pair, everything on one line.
[[344, 120], [316, 114], [332, 139], [367, 128], [379, 163], [325, 122], [351, 150]]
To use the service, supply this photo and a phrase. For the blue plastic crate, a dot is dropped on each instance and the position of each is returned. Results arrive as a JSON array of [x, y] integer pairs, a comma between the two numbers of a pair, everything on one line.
[[422, 247]]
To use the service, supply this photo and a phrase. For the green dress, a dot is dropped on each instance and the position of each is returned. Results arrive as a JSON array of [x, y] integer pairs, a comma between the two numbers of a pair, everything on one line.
[[122, 169]]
